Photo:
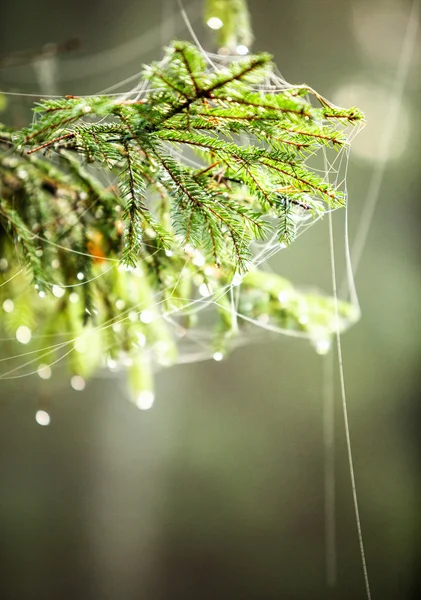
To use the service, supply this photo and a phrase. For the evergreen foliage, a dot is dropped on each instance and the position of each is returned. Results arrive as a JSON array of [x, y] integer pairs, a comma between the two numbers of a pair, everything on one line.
[[138, 202]]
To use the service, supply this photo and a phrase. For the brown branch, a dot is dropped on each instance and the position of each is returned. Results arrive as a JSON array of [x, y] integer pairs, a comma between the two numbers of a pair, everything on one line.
[[187, 64], [301, 180], [51, 142], [300, 112]]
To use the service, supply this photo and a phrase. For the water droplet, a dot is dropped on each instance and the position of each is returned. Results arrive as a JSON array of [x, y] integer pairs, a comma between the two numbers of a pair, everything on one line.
[[111, 363], [146, 316], [8, 305], [23, 334], [242, 50], [44, 371], [3, 264], [141, 338], [81, 345], [215, 23], [123, 267], [199, 259], [283, 297], [237, 279], [322, 345], [205, 290], [58, 292], [126, 360], [145, 400], [42, 417], [78, 383], [218, 356], [303, 319]]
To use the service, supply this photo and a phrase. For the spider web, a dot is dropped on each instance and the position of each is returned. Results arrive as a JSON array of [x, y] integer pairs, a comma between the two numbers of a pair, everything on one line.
[[195, 342]]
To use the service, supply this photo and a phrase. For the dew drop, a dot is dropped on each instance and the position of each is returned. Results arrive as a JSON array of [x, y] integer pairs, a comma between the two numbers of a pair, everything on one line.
[[322, 345], [242, 50], [78, 383], [145, 400], [23, 334], [215, 23], [42, 417], [146, 316], [58, 291], [8, 305], [44, 371]]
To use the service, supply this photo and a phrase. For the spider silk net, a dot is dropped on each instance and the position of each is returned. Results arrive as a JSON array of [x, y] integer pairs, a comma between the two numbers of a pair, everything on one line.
[[197, 341]]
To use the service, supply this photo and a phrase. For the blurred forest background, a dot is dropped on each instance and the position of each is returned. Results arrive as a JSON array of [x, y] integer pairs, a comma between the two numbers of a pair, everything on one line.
[[218, 491]]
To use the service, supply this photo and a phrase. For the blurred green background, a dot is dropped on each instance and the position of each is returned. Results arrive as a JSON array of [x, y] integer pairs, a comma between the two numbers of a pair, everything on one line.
[[218, 491]]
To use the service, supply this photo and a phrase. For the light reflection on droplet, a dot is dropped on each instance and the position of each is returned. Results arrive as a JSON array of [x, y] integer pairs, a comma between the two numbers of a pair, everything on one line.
[[23, 334], [218, 356], [78, 383], [322, 345], [3, 264], [146, 316], [145, 400], [242, 50], [8, 305], [141, 338], [111, 363], [58, 291], [237, 279], [123, 267], [283, 297], [303, 319], [205, 290], [81, 345], [198, 259], [44, 371], [215, 23], [80, 276], [74, 297], [42, 417]]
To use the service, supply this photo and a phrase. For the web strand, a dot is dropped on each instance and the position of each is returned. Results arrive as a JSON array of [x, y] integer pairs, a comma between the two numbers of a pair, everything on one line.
[[345, 414], [329, 469]]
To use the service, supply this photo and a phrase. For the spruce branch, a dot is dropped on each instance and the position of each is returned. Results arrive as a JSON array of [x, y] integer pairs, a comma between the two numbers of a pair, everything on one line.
[[140, 205]]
